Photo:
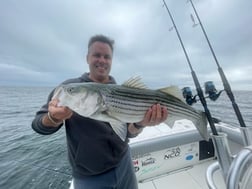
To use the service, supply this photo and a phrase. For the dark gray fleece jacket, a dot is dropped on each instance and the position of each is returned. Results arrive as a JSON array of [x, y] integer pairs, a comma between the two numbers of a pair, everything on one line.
[[93, 146]]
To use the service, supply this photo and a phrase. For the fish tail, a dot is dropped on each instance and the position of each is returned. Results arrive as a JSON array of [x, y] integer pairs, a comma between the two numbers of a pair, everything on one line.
[[201, 125]]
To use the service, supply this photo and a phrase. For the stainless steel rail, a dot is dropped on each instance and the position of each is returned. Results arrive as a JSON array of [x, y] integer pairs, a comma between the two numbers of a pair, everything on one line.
[[209, 174], [239, 168], [236, 170], [246, 135]]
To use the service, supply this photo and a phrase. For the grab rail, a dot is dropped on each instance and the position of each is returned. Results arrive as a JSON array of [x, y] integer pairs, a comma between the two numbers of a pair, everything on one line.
[[233, 168], [246, 133], [240, 164], [239, 167], [209, 174]]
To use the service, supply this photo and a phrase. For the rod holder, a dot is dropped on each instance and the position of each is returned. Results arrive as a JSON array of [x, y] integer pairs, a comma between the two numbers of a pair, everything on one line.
[[246, 133], [222, 152]]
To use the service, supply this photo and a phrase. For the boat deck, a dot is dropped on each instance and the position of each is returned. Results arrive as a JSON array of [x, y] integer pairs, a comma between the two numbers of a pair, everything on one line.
[[189, 178]]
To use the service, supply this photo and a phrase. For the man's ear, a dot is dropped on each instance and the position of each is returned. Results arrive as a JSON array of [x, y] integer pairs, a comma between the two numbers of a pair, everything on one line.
[[87, 58]]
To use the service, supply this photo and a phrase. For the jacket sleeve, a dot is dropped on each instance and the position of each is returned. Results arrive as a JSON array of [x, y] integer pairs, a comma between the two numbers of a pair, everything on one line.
[[130, 135], [37, 121]]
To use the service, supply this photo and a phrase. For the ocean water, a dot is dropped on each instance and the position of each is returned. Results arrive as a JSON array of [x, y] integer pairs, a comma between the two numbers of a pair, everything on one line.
[[32, 161]]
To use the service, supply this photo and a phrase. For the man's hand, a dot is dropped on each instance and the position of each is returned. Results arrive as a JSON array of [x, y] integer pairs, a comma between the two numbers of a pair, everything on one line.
[[56, 114], [59, 112], [154, 116]]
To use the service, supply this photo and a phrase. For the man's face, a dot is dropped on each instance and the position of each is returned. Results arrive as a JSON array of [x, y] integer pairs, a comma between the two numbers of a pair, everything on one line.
[[99, 59]]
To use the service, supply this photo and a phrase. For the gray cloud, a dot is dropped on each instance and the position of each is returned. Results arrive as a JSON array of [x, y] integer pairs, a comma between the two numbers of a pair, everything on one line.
[[44, 42]]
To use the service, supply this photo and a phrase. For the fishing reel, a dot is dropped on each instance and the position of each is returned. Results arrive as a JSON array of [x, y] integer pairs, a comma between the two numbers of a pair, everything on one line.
[[187, 94], [210, 90]]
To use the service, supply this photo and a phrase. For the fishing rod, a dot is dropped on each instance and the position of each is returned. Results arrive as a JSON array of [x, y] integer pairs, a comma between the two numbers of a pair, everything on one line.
[[225, 82], [195, 79]]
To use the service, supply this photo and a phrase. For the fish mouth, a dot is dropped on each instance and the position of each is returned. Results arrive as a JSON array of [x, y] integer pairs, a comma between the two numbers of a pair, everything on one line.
[[57, 92]]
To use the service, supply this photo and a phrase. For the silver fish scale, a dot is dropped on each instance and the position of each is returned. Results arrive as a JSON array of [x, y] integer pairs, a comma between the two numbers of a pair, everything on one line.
[[135, 102]]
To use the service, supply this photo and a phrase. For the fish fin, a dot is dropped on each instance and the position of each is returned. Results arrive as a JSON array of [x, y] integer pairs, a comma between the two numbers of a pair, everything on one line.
[[174, 91], [201, 126], [135, 82], [117, 125], [119, 128], [170, 121], [203, 129]]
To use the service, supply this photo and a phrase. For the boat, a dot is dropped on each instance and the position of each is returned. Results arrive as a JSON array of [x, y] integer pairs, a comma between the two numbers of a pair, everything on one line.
[[180, 158]]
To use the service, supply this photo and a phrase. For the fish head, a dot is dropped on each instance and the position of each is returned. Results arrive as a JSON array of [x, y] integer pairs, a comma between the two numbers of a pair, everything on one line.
[[81, 98]]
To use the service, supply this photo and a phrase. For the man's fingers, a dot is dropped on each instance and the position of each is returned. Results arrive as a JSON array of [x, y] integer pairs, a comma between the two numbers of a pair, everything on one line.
[[158, 113], [59, 112], [153, 114]]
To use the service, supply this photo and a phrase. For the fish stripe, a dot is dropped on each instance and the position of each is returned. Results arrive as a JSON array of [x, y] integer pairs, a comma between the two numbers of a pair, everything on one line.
[[133, 101]]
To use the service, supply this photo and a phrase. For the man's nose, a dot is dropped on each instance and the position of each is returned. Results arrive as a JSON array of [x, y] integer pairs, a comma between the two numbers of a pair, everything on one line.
[[102, 59]]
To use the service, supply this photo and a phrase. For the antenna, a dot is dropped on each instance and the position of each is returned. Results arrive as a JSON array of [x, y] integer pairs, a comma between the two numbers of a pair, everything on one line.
[[195, 79]]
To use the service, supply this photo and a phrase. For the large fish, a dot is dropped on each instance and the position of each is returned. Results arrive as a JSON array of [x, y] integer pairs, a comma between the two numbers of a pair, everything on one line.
[[127, 103]]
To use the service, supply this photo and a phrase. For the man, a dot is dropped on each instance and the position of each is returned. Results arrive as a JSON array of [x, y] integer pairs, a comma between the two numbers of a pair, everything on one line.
[[98, 156]]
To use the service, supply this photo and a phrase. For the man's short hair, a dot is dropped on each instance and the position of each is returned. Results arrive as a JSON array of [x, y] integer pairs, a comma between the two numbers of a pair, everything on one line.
[[101, 38]]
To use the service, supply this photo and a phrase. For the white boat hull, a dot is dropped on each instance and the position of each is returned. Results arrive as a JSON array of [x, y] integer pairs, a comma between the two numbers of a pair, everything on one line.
[[178, 157]]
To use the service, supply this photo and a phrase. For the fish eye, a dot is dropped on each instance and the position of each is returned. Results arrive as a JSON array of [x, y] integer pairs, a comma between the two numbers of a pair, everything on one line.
[[70, 90]]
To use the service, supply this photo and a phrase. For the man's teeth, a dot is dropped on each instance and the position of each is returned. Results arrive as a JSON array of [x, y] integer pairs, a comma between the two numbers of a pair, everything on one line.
[[100, 66]]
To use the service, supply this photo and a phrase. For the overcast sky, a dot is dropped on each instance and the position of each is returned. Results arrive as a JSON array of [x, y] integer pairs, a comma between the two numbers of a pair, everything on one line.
[[42, 43]]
